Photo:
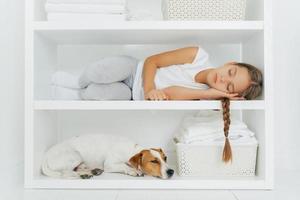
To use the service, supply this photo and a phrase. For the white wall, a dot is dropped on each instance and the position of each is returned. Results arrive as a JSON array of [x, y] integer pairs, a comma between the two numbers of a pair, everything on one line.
[[286, 60], [11, 81], [286, 32]]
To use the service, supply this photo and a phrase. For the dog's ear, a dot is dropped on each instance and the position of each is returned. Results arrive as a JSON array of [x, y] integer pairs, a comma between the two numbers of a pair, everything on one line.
[[136, 160], [158, 150], [162, 153]]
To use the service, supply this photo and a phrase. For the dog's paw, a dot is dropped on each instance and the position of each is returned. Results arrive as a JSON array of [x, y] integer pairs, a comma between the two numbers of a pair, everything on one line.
[[86, 176], [133, 172], [139, 173], [97, 171]]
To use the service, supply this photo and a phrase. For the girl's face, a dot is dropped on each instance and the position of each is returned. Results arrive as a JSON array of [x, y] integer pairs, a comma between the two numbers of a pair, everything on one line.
[[229, 78]]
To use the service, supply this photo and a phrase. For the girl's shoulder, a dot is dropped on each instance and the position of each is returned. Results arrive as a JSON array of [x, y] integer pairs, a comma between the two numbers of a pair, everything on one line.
[[201, 56]]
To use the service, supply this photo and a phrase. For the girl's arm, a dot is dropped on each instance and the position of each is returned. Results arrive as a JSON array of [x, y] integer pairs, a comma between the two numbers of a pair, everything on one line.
[[178, 56], [183, 93]]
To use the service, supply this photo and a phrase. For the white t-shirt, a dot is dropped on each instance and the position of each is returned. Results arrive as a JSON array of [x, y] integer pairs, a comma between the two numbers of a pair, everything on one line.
[[174, 75]]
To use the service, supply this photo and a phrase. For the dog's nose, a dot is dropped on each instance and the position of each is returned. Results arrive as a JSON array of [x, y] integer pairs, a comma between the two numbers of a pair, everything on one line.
[[170, 172]]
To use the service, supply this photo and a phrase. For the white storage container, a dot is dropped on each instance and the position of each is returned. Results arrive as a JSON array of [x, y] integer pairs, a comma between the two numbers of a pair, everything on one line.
[[227, 10], [205, 159]]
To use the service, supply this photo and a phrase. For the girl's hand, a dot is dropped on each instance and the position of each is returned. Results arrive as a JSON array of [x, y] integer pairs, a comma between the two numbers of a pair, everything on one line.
[[157, 95], [212, 93]]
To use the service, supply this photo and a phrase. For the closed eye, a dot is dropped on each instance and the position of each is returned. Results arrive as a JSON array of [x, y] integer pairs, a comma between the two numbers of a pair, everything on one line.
[[230, 88], [232, 72], [165, 158], [154, 161]]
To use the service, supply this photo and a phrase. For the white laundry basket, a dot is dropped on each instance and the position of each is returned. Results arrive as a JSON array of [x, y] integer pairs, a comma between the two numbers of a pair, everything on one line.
[[227, 10], [206, 159]]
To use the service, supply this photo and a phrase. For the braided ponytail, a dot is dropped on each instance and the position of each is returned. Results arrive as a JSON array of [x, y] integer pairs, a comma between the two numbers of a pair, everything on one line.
[[227, 154]]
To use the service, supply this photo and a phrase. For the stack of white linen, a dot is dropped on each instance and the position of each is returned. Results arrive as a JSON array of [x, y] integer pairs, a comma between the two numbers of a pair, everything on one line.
[[86, 10], [207, 127]]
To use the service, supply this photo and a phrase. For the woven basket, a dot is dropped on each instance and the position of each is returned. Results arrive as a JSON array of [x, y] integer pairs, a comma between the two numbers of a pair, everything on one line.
[[225, 10], [206, 159]]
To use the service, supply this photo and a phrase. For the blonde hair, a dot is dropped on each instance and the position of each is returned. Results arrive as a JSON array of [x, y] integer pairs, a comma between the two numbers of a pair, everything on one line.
[[251, 92], [227, 153], [256, 85]]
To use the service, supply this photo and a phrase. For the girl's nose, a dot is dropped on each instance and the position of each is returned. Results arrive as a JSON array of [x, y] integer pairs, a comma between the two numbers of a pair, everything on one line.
[[224, 79]]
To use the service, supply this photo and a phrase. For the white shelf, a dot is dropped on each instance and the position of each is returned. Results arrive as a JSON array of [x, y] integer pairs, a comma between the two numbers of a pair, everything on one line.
[[145, 105], [119, 181], [159, 32], [151, 25], [122, 181]]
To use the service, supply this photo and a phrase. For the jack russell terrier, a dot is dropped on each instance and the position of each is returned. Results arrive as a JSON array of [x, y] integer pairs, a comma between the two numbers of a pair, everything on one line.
[[89, 155]]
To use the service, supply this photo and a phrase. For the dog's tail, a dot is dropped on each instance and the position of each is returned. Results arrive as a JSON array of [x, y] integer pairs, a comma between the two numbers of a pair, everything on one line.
[[46, 170]]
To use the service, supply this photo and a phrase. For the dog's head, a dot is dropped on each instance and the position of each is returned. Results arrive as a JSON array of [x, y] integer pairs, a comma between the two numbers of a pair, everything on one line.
[[152, 162]]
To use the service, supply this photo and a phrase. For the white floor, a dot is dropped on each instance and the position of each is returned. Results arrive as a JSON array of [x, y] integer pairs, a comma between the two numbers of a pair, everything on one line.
[[287, 186]]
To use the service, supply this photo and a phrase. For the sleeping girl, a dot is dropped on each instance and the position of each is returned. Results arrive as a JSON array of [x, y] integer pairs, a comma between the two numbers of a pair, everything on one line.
[[181, 74]]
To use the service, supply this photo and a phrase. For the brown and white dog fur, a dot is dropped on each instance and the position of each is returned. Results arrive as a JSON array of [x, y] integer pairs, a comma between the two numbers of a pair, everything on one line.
[[89, 155]]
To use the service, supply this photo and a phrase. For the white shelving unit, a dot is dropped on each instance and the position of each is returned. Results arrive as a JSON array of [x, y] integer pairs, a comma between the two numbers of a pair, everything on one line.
[[70, 46], [140, 105]]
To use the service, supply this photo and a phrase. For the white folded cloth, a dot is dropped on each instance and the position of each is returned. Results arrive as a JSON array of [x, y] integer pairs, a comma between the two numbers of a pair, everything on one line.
[[141, 15], [208, 126], [214, 136], [233, 141], [88, 1], [84, 8], [85, 17]]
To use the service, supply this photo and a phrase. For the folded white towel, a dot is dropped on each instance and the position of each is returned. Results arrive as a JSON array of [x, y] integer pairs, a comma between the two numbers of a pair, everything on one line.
[[215, 136], [85, 17], [88, 1], [233, 141], [141, 15], [208, 126], [84, 8]]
